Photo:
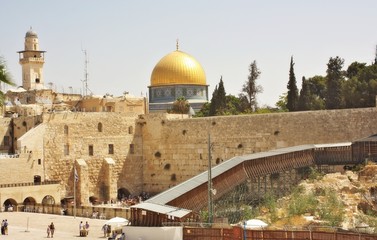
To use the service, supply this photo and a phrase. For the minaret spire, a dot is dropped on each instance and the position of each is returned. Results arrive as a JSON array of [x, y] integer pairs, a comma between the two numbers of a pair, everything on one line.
[[32, 60], [177, 44]]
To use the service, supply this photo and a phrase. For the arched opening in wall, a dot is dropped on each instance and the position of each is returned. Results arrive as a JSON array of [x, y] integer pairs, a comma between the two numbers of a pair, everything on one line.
[[10, 205], [67, 202], [123, 194], [37, 180], [48, 200], [99, 127], [29, 204], [29, 201], [93, 200]]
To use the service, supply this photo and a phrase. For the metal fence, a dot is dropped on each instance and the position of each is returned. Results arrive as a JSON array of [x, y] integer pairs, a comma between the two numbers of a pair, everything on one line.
[[238, 233]]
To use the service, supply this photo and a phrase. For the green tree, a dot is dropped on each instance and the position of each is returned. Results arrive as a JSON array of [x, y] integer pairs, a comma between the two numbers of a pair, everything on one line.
[[368, 75], [304, 102], [213, 104], [355, 93], [218, 101], [4, 78], [180, 106], [292, 97], [250, 88], [317, 88], [204, 111], [221, 98], [334, 83], [354, 69], [282, 103], [234, 105]]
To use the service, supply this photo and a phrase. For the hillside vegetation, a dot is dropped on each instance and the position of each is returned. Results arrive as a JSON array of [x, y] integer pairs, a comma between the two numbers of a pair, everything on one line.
[[339, 200]]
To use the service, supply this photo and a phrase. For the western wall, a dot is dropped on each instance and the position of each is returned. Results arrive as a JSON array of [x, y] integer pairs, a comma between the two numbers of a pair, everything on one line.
[[154, 152], [177, 149]]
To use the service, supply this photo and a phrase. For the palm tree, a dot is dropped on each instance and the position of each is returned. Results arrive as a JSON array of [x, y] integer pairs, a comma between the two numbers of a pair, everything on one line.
[[4, 78]]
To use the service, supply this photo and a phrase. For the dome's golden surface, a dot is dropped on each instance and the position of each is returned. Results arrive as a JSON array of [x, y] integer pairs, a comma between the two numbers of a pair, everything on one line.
[[178, 68]]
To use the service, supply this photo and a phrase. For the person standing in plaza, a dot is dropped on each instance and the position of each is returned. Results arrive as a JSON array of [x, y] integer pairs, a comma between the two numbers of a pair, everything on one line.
[[2, 228], [52, 229], [87, 227], [6, 227], [48, 231]]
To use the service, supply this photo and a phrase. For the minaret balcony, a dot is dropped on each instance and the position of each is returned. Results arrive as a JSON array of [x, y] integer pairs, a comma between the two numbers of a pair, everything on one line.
[[32, 59]]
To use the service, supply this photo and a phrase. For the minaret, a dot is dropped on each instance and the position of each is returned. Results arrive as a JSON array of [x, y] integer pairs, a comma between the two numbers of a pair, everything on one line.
[[32, 60]]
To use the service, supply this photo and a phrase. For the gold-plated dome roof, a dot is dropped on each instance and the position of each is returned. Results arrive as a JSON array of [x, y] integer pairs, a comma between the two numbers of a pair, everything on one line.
[[178, 68]]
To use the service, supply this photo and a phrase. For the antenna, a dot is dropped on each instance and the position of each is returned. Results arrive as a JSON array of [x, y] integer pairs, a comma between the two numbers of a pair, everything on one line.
[[375, 58], [85, 81]]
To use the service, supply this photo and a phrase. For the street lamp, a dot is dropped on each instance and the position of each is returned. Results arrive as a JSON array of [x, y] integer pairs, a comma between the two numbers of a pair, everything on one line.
[[210, 204]]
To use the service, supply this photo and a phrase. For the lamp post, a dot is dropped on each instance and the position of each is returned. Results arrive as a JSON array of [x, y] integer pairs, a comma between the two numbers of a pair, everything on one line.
[[210, 206]]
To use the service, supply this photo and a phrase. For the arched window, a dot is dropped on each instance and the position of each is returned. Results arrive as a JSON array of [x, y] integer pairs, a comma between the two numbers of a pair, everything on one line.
[[99, 127]]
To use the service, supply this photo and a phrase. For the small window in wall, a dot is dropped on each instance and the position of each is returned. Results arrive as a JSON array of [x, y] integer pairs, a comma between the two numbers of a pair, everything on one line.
[[111, 148], [130, 129], [39, 161], [99, 127], [91, 150], [37, 80], [65, 129], [6, 141], [132, 148], [66, 150]]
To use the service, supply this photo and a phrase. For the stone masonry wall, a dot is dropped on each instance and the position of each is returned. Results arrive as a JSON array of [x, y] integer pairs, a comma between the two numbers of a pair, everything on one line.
[[68, 137], [177, 149]]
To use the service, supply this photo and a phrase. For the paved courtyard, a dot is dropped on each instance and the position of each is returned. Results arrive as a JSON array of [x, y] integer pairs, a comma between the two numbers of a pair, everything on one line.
[[32, 226]]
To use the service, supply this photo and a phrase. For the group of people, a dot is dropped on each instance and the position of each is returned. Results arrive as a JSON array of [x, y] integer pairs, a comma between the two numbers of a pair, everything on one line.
[[50, 230], [84, 229], [112, 235], [4, 227]]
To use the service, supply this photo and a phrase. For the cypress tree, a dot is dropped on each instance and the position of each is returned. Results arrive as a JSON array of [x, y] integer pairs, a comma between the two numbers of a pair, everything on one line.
[[213, 105], [292, 97], [220, 98], [304, 98], [334, 83]]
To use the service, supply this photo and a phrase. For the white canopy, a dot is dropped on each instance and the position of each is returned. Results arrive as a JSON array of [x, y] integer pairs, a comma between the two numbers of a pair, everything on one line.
[[117, 222], [255, 224]]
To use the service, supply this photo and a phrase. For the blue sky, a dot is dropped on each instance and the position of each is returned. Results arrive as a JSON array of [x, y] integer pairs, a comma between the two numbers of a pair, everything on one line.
[[125, 40]]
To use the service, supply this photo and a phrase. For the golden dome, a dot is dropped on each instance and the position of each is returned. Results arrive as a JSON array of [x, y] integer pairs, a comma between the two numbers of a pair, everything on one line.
[[178, 68]]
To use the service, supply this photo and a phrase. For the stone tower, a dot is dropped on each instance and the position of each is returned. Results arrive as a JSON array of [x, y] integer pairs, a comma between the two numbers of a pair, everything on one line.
[[32, 60]]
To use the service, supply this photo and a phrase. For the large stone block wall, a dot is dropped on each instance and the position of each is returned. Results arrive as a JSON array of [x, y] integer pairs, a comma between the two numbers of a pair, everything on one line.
[[20, 170], [78, 131], [167, 149], [177, 149]]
